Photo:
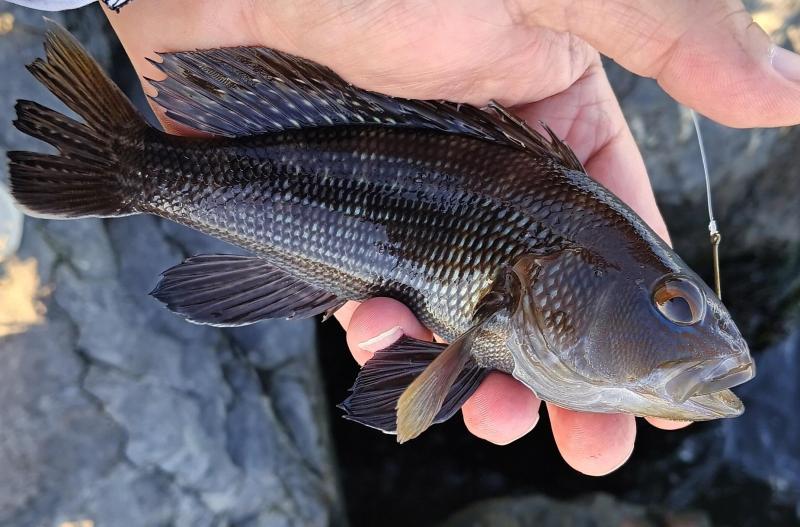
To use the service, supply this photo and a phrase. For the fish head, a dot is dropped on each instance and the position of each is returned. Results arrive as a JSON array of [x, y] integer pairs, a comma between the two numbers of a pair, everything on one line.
[[650, 340]]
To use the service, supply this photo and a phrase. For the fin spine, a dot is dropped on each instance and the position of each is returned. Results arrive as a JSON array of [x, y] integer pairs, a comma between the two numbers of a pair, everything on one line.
[[241, 91]]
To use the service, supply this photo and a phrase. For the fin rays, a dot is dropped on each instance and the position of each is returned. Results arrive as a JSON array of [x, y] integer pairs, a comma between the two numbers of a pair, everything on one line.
[[247, 90], [84, 179], [234, 290], [383, 379]]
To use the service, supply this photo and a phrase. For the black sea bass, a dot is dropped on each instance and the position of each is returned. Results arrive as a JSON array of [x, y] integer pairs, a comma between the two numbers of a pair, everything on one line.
[[490, 232]]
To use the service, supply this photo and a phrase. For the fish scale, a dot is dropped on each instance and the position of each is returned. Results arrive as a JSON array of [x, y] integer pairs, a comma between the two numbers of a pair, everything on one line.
[[269, 194], [491, 232]]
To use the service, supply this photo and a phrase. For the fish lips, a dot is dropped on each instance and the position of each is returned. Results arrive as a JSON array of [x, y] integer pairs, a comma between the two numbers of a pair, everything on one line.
[[708, 382], [678, 390], [717, 405]]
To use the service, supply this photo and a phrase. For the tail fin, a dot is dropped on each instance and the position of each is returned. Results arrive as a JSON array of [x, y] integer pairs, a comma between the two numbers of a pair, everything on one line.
[[83, 179]]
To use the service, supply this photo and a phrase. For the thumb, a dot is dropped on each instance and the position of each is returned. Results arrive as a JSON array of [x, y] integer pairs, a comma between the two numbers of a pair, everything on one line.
[[707, 54]]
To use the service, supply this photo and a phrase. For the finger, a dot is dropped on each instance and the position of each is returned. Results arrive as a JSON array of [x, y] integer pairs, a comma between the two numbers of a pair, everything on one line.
[[709, 55], [379, 322], [667, 424], [501, 410], [593, 444], [345, 313]]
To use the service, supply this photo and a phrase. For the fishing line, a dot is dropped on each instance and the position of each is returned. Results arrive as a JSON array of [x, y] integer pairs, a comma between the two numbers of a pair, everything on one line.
[[713, 231]]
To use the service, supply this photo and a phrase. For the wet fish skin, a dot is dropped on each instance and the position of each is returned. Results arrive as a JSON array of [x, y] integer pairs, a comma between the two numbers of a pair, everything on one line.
[[360, 212], [492, 234]]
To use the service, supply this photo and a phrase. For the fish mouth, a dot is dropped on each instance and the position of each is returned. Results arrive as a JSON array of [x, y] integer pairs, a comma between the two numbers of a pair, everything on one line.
[[723, 403], [693, 390], [701, 381]]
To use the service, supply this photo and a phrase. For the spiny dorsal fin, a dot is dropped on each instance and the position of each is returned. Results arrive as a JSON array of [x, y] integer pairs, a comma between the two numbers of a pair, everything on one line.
[[234, 290], [243, 91], [518, 130]]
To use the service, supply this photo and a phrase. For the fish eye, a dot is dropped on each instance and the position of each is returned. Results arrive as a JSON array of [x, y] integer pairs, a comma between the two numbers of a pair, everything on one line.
[[680, 301]]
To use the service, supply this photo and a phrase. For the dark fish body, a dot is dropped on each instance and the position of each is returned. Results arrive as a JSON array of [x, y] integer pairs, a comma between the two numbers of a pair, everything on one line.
[[491, 233], [425, 217]]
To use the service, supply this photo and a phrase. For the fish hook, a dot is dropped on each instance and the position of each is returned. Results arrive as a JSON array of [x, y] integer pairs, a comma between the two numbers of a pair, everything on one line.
[[714, 234]]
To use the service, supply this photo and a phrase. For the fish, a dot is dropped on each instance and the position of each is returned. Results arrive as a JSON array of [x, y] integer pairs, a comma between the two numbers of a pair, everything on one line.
[[489, 230]]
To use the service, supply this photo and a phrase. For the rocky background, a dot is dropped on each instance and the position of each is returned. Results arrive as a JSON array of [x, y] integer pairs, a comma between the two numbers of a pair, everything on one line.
[[114, 412]]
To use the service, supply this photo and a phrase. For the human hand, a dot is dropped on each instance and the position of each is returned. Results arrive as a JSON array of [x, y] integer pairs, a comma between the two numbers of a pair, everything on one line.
[[540, 58]]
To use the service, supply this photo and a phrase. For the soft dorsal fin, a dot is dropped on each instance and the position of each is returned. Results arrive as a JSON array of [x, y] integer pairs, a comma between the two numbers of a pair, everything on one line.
[[243, 91], [234, 290]]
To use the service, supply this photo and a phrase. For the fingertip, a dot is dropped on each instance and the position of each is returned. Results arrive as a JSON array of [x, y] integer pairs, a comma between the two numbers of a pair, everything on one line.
[[667, 424], [724, 68], [593, 444], [345, 313], [729, 74], [377, 323], [501, 410]]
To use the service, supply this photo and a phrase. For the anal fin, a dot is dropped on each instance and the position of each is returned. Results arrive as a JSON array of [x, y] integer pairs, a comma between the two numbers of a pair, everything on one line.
[[384, 378], [234, 290]]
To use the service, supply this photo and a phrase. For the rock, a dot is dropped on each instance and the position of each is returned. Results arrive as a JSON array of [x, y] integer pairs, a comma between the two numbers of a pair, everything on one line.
[[765, 441], [116, 412], [590, 511], [10, 225]]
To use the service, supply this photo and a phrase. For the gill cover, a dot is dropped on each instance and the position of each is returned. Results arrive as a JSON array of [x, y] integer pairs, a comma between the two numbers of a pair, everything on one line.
[[565, 362]]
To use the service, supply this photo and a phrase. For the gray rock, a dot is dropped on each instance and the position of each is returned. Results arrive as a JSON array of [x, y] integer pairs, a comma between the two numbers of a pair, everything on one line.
[[765, 441], [591, 511], [10, 225], [118, 412]]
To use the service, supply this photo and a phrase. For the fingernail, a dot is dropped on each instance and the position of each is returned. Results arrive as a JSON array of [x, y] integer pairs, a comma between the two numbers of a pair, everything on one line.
[[787, 63], [383, 340]]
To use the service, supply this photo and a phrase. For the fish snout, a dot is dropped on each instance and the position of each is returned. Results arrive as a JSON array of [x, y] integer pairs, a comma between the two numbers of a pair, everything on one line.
[[708, 377]]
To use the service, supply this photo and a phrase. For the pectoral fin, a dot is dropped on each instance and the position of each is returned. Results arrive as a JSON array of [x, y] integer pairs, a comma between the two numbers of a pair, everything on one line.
[[418, 405], [234, 290]]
